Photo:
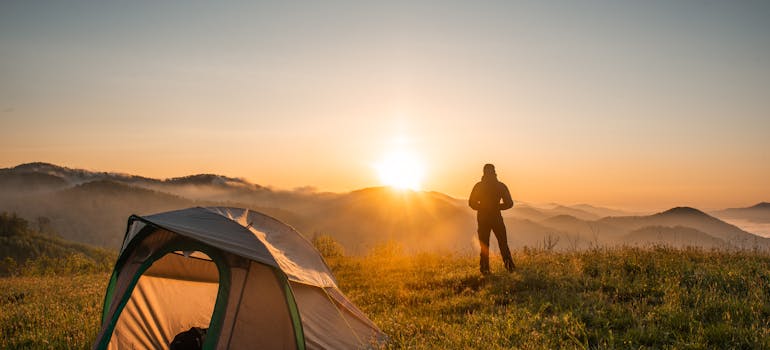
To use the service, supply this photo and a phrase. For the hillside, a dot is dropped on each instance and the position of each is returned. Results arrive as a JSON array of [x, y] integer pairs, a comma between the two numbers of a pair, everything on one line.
[[71, 176], [596, 299], [526, 211], [600, 211], [20, 244], [527, 233], [678, 227], [92, 207], [696, 219], [596, 231], [420, 221], [578, 213], [94, 212], [759, 213], [678, 237], [13, 182]]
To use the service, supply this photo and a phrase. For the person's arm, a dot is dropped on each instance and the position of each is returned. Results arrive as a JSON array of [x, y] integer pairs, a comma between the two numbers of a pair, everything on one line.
[[473, 200], [507, 201]]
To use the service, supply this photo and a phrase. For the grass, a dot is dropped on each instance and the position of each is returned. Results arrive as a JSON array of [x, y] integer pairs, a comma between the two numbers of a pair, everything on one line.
[[620, 298], [50, 312]]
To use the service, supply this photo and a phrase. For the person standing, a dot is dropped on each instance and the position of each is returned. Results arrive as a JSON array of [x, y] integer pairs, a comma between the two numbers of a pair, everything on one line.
[[488, 197]]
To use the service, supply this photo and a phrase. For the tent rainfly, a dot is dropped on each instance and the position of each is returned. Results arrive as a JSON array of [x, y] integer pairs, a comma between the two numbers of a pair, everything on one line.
[[250, 280]]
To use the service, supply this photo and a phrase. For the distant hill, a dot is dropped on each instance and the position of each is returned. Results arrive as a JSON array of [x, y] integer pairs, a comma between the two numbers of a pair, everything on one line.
[[693, 218], [21, 243], [600, 211], [759, 213], [92, 207], [94, 212], [205, 187], [597, 231], [578, 213], [677, 227], [525, 232], [526, 212], [419, 220], [677, 237], [14, 182], [209, 179], [536, 214], [72, 176]]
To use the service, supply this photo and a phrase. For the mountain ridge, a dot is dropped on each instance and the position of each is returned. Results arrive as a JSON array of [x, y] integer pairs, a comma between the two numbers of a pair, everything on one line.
[[94, 211], [758, 213]]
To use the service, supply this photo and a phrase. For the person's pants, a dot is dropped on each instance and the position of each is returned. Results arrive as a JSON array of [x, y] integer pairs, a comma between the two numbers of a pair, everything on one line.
[[495, 224]]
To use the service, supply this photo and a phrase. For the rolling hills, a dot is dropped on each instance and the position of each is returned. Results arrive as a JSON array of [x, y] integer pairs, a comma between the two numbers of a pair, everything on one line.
[[759, 213], [92, 207]]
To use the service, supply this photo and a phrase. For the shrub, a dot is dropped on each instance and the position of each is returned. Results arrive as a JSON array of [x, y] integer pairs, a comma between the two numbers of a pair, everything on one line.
[[327, 246]]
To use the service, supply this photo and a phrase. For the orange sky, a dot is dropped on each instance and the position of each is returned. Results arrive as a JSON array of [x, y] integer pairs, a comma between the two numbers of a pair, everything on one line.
[[641, 106]]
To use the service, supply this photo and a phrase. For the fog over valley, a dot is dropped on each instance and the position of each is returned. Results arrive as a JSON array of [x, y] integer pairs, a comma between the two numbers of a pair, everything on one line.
[[92, 207]]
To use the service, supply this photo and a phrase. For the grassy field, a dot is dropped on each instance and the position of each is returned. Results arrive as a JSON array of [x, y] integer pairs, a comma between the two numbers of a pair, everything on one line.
[[50, 312], [627, 298], [623, 298]]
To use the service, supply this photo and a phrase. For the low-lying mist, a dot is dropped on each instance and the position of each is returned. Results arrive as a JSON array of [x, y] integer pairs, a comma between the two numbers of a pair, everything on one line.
[[92, 208]]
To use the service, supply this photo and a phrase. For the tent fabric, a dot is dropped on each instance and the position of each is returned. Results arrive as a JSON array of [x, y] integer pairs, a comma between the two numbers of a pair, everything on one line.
[[133, 262], [262, 285], [330, 325], [252, 329], [176, 266], [295, 256], [208, 227], [169, 297], [160, 308], [251, 235]]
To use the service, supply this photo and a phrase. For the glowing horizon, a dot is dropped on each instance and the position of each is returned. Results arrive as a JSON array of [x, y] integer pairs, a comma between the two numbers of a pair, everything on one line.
[[401, 169]]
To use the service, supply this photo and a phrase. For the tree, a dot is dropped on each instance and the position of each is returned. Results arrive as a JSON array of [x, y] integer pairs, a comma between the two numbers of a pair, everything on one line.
[[12, 225]]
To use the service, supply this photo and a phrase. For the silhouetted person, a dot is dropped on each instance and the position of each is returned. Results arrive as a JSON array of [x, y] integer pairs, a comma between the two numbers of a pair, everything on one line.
[[486, 199]]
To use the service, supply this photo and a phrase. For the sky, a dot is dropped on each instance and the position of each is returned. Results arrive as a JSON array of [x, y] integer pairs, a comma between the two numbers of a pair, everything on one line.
[[637, 105]]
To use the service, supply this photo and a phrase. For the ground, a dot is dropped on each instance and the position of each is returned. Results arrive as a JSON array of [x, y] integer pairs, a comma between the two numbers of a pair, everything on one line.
[[619, 298]]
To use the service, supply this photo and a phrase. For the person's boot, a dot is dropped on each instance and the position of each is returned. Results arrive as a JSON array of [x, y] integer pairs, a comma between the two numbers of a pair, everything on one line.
[[484, 267], [510, 266]]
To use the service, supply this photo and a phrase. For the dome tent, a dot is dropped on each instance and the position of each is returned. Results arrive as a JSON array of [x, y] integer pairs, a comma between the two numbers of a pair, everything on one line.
[[251, 280]]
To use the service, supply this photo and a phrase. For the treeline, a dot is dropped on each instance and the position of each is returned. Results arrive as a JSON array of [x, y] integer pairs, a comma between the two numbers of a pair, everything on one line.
[[25, 250]]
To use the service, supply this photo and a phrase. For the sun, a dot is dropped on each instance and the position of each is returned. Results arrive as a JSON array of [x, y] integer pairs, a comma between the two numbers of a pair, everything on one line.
[[401, 170]]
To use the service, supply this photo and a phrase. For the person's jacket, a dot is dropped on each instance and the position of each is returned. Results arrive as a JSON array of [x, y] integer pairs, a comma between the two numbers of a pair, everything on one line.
[[487, 195]]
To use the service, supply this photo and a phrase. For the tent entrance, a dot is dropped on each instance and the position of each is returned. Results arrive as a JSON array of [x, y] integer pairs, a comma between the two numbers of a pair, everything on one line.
[[177, 292]]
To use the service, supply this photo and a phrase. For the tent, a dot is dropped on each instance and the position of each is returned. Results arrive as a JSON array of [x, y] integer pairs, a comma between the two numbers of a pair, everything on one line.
[[252, 281]]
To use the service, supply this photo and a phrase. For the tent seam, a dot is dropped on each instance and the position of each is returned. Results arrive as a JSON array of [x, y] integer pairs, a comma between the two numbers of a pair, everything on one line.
[[238, 310], [334, 302]]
